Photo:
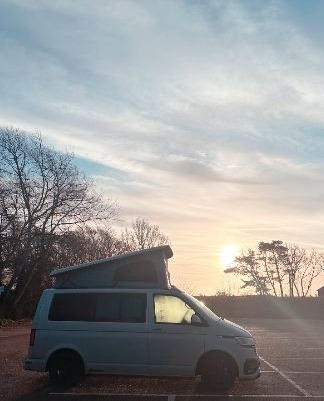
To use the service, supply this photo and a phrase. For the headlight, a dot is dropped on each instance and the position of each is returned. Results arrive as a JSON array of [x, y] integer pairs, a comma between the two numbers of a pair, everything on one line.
[[246, 341]]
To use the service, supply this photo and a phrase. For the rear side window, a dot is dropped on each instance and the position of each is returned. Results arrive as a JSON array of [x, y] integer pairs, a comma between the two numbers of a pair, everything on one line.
[[99, 307], [69, 307], [121, 308]]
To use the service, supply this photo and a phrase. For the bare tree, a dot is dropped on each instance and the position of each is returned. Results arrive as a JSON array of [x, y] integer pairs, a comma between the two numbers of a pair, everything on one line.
[[296, 260], [42, 195], [268, 268], [142, 235], [310, 268], [279, 269], [84, 245], [274, 256], [248, 265]]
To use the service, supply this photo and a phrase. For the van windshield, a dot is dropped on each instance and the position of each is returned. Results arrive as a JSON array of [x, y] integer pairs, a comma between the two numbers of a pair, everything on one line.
[[202, 306]]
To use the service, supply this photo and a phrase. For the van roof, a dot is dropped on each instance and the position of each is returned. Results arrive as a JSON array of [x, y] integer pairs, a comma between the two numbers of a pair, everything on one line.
[[165, 249], [172, 290]]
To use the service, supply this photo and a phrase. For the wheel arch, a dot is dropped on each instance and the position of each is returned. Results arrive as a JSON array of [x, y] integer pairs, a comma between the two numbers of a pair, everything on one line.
[[210, 356], [61, 351]]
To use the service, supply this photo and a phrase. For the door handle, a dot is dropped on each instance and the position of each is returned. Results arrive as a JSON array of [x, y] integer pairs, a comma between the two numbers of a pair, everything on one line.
[[157, 329]]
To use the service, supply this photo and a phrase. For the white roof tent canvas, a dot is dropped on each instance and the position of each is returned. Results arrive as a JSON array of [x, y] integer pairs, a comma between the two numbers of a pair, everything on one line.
[[147, 268]]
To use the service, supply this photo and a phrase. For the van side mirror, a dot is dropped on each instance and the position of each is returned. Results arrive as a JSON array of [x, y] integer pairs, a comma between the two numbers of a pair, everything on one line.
[[195, 320]]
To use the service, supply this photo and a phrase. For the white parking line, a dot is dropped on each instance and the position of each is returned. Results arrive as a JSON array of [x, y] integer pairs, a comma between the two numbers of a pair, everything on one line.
[[116, 395], [295, 372], [304, 373], [172, 397], [288, 379], [297, 358]]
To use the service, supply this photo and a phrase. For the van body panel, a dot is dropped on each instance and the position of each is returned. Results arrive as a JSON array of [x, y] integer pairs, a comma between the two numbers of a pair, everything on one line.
[[174, 349], [97, 347]]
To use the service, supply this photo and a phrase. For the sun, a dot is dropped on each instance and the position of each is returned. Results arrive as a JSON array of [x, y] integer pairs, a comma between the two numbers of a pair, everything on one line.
[[228, 255]]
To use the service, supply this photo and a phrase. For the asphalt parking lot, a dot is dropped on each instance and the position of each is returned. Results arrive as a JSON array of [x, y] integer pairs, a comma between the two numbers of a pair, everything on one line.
[[292, 353]]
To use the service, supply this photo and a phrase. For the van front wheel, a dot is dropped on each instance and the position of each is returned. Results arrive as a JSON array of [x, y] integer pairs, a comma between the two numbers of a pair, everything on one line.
[[65, 368], [218, 374]]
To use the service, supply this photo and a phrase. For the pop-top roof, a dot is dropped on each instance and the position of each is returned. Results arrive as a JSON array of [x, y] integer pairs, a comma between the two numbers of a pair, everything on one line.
[[125, 258]]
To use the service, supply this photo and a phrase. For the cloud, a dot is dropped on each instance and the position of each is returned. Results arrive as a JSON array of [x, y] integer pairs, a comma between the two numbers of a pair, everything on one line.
[[206, 117]]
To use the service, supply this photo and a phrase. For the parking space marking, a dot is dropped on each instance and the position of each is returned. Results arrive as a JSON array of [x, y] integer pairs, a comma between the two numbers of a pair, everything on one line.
[[110, 394], [297, 358], [173, 397], [305, 373], [288, 379]]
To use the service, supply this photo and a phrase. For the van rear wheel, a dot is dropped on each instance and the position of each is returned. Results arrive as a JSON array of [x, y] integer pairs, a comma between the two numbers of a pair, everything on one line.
[[66, 368], [218, 374]]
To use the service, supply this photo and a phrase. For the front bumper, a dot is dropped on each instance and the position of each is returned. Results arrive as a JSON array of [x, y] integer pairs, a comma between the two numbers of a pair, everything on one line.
[[251, 369], [251, 365]]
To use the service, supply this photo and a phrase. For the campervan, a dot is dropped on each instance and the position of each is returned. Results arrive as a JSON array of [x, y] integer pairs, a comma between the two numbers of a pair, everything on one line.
[[122, 316]]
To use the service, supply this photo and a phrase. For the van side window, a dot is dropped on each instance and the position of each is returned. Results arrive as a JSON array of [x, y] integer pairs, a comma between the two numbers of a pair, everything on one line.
[[121, 308], [98, 307], [73, 307], [171, 309]]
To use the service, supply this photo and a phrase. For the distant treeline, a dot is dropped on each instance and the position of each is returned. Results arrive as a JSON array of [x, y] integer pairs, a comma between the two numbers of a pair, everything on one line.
[[268, 307]]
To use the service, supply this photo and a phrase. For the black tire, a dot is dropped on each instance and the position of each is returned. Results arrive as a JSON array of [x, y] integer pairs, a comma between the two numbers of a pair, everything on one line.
[[65, 369], [218, 373]]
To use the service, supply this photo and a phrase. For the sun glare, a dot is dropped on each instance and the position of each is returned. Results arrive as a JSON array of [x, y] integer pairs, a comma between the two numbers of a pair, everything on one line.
[[228, 255]]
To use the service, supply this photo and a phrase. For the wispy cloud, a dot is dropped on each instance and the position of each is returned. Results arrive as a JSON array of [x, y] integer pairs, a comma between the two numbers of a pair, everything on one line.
[[206, 117]]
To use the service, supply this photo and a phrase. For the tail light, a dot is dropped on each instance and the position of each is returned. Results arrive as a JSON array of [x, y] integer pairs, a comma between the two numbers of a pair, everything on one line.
[[32, 337]]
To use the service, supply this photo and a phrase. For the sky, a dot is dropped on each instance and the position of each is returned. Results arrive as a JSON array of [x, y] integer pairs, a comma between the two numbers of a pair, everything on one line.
[[205, 117]]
